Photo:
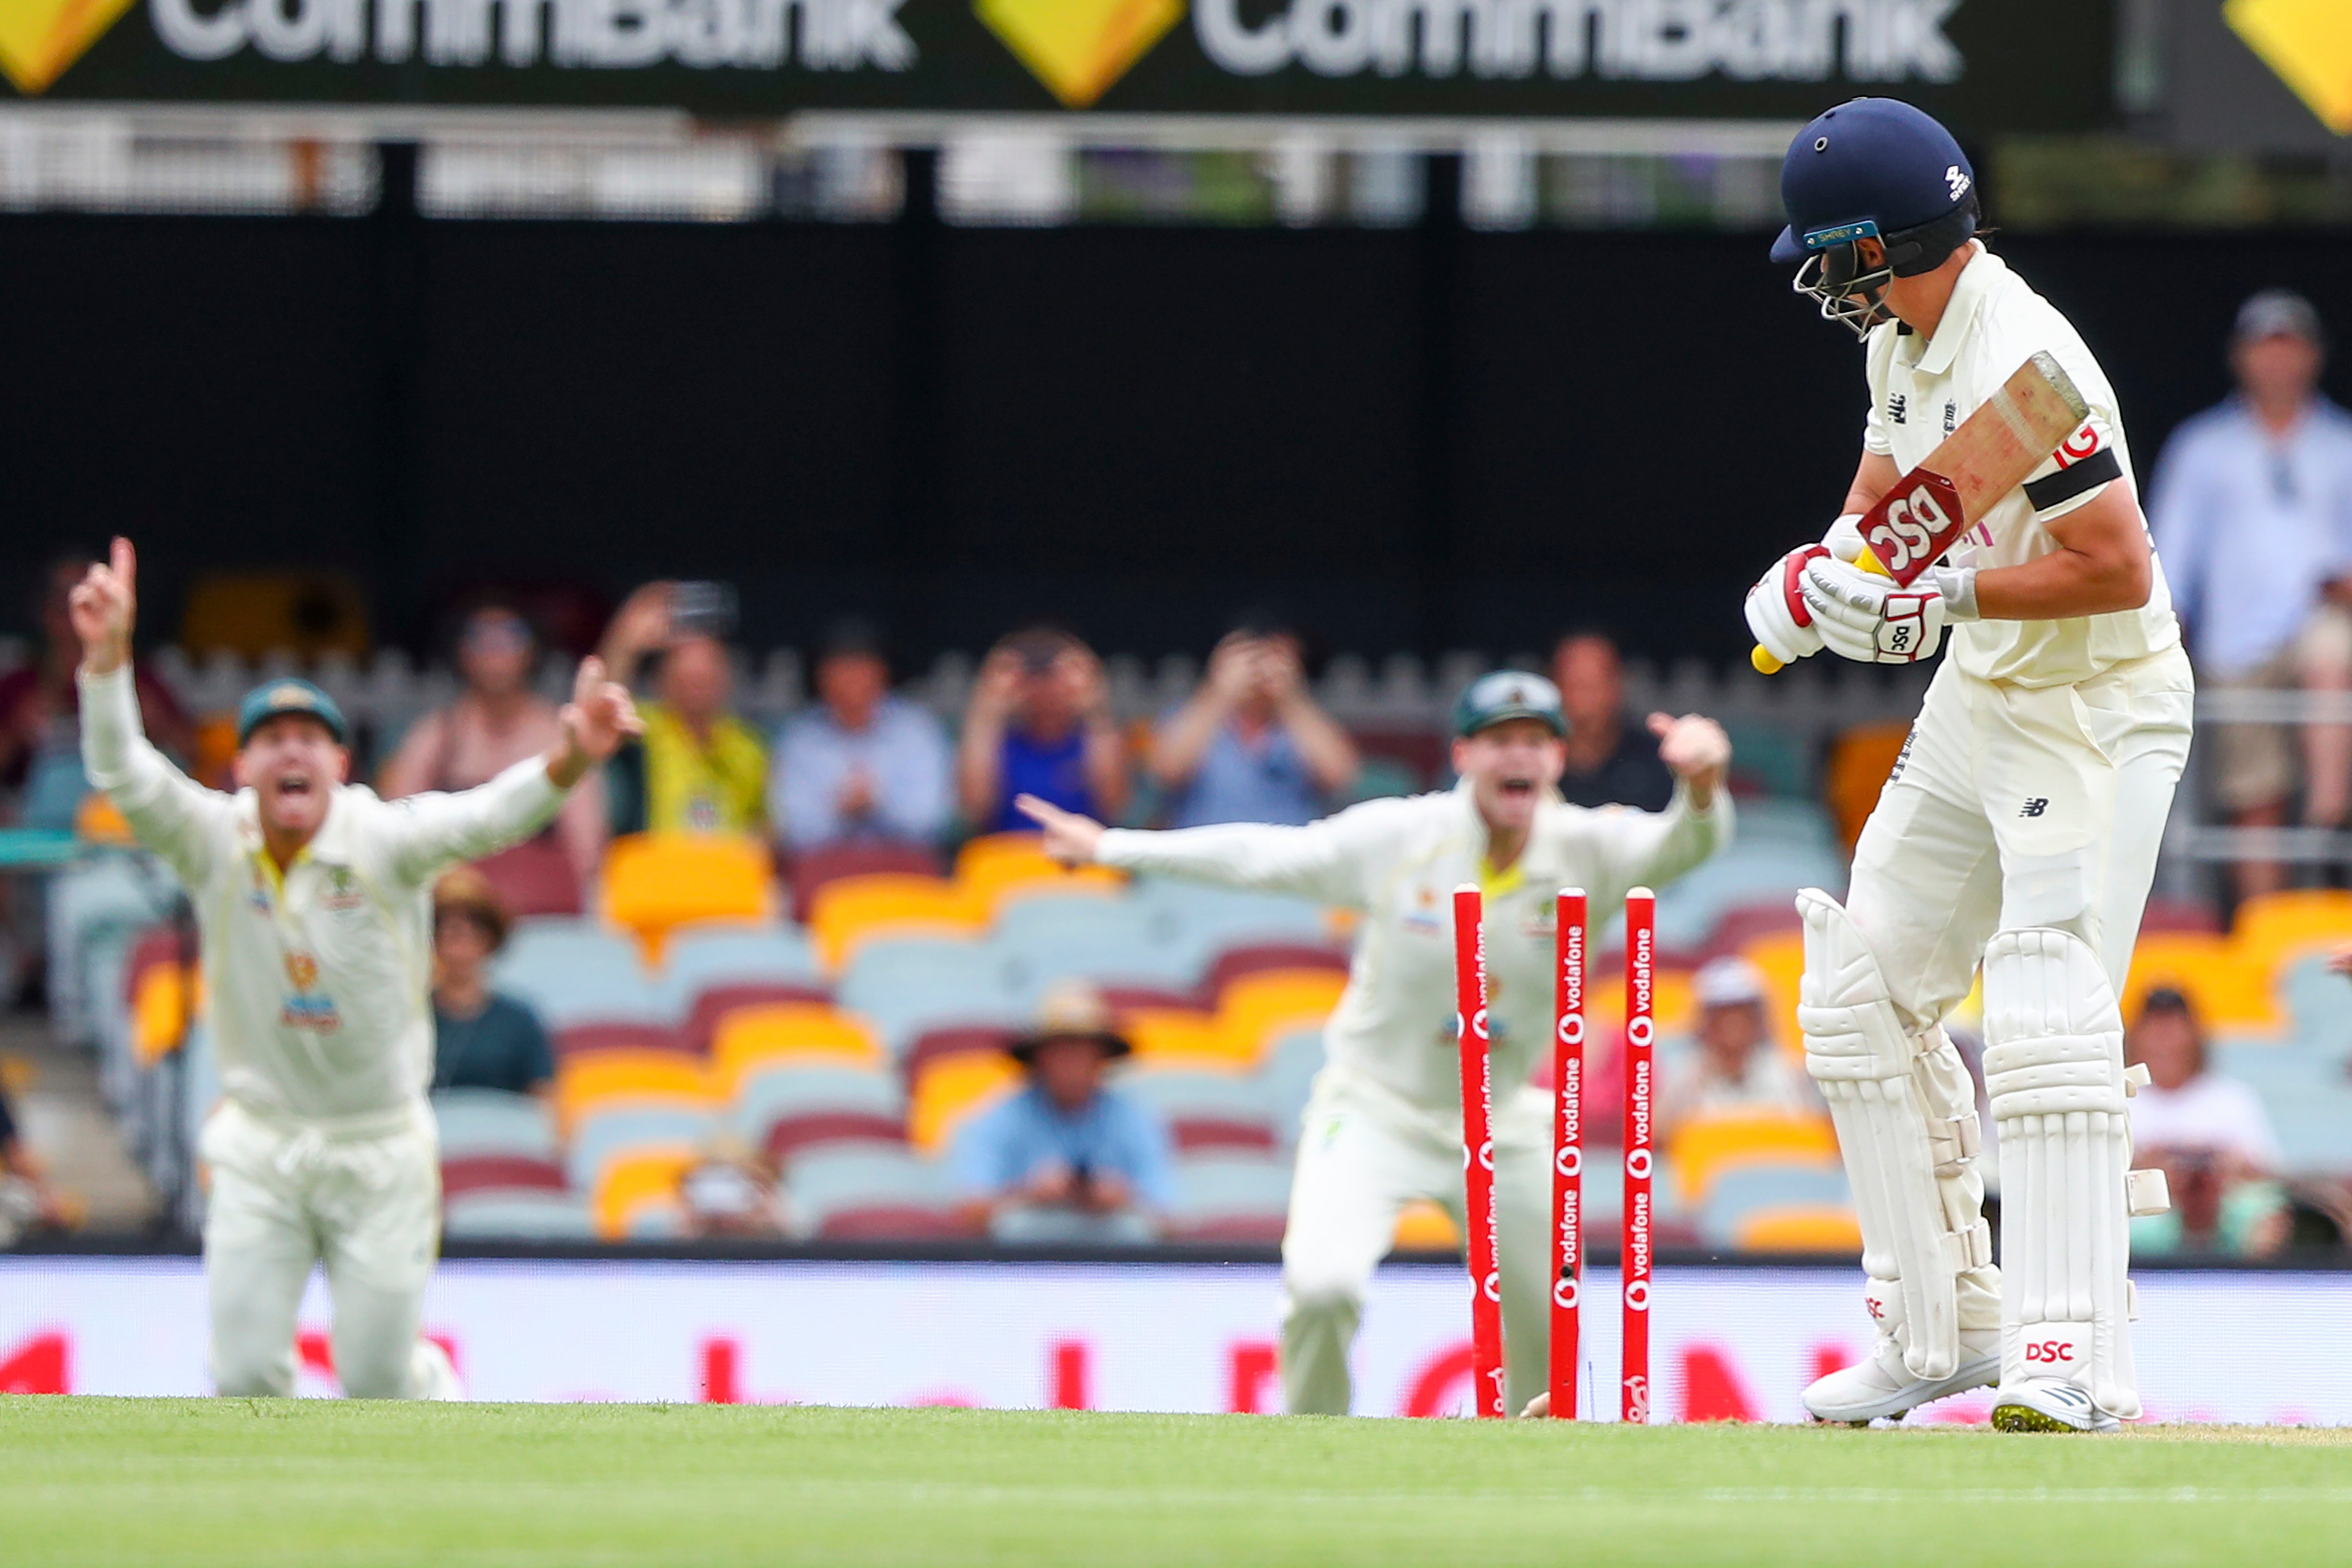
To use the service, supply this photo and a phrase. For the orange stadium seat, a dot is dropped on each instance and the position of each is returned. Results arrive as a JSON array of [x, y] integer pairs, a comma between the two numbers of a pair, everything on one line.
[[854, 909], [1256, 1009], [165, 999], [749, 1039], [1801, 1228], [1781, 955], [256, 614], [1424, 1226], [1707, 1146], [2231, 995], [953, 1090], [598, 1079], [1860, 761], [1186, 1034], [634, 1185], [2273, 929], [999, 866], [655, 882]]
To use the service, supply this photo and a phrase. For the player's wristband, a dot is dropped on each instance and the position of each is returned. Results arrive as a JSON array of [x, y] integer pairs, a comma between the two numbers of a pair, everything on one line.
[[1958, 584]]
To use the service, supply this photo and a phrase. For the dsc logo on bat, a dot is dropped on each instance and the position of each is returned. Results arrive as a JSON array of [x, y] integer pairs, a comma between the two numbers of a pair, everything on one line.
[[1915, 525]]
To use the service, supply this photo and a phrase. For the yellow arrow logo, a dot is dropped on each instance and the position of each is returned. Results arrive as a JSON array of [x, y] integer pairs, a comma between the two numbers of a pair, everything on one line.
[[2309, 43], [40, 38], [1077, 48]]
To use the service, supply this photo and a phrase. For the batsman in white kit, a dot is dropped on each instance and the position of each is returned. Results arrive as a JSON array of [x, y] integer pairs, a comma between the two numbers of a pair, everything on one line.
[[1383, 1123], [2019, 828], [312, 901]]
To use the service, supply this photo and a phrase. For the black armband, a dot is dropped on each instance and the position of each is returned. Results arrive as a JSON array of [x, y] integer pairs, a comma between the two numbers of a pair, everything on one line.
[[2066, 483]]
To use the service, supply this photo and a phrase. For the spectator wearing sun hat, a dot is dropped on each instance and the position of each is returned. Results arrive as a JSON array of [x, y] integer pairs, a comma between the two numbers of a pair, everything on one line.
[[1735, 1068], [1067, 1157]]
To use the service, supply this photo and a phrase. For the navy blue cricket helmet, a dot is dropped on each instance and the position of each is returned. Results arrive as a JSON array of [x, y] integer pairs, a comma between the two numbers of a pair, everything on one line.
[[1875, 170]]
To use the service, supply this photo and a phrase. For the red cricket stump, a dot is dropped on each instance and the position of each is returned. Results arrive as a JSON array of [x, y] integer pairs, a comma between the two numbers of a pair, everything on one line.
[[1641, 1079], [1478, 1150], [1567, 1152]]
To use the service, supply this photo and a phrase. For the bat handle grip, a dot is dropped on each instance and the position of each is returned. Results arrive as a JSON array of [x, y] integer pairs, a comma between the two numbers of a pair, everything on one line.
[[1761, 658]]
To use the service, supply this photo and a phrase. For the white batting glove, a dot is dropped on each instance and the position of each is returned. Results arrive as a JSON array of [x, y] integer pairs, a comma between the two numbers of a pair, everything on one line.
[[1867, 617], [1777, 613]]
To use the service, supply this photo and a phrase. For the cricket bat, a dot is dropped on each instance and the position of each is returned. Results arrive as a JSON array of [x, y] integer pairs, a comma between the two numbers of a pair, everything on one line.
[[1991, 454]]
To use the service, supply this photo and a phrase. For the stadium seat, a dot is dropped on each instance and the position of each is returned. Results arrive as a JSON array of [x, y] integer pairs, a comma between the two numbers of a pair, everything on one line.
[[954, 1039], [2314, 1127], [1708, 1147], [500, 1173], [587, 1039], [655, 883], [1287, 1075], [813, 869], [517, 1217], [608, 1132], [904, 985], [165, 998], [1257, 1008], [783, 1110], [763, 1039], [859, 1193], [534, 877], [635, 1078], [1127, 999], [1746, 874], [1767, 761], [697, 957], [1424, 1226], [1252, 957], [855, 910], [1858, 761], [1205, 1110], [302, 611], [1830, 1229], [571, 971], [2231, 994], [1175, 1035], [1740, 1193], [493, 1123], [997, 868], [1207, 920], [1736, 927], [715, 1002], [950, 1092], [2168, 913], [1049, 937], [1229, 1197], [2272, 930], [636, 1193]]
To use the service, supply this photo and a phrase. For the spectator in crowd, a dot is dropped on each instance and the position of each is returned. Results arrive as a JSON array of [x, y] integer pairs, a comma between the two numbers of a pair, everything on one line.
[[864, 763], [1250, 745], [1737, 1069], [2208, 1134], [2251, 509], [1067, 1158], [481, 1039], [701, 770], [1040, 724], [730, 1191], [495, 722], [27, 1201], [1612, 760]]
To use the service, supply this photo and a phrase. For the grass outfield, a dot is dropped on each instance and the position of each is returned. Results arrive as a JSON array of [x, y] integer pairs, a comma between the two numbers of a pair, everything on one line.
[[321, 1483]]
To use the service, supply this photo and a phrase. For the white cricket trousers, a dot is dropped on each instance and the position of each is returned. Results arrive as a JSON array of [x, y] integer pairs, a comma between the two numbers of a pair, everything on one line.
[[1363, 1155], [2013, 807], [365, 1200]]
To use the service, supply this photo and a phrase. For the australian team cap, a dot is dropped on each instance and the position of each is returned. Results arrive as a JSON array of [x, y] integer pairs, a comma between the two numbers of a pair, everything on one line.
[[273, 698], [1872, 168], [1507, 695]]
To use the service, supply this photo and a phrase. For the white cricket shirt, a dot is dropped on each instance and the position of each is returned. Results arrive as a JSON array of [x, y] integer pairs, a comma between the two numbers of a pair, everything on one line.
[[1920, 390], [316, 982], [1399, 861]]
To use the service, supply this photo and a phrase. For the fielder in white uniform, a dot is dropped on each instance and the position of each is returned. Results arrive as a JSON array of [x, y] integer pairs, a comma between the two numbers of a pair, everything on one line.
[[1383, 1125], [312, 900], [2017, 829]]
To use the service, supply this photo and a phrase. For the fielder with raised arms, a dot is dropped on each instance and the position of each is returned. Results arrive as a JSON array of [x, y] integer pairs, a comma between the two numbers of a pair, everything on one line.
[[312, 903], [2017, 829], [1383, 1125]]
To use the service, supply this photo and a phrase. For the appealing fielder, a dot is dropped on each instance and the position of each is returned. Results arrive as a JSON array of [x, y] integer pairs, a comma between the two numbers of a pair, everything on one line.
[[1383, 1125], [2019, 828], [312, 898]]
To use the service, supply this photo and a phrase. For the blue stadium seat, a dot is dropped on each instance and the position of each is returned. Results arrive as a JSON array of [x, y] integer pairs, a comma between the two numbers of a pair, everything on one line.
[[571, 971], [1746, 874], [1204, 920], [601, 1135], [1046, 939], [493, 1122], [904, 986], [1288, 1074], [830, 1182], [696, 958], [1214, 1189], [520, 1216], [2314, 1127], [768, 1096], [1204, 1108], [1738, 1193]]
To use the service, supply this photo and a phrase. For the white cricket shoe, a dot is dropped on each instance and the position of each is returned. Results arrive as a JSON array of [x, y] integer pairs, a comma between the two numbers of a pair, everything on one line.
[[1883, 1387], [2049, 1405], [431, 1374]]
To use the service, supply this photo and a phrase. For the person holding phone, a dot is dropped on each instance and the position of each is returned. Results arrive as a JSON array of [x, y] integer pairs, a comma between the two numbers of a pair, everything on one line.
[[1250, 745], [699, 768], [1040, 724]]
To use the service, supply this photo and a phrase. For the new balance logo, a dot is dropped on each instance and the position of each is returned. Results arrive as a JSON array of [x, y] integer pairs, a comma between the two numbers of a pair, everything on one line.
[[1951, 417], [1897, 405], [2035, 807]]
